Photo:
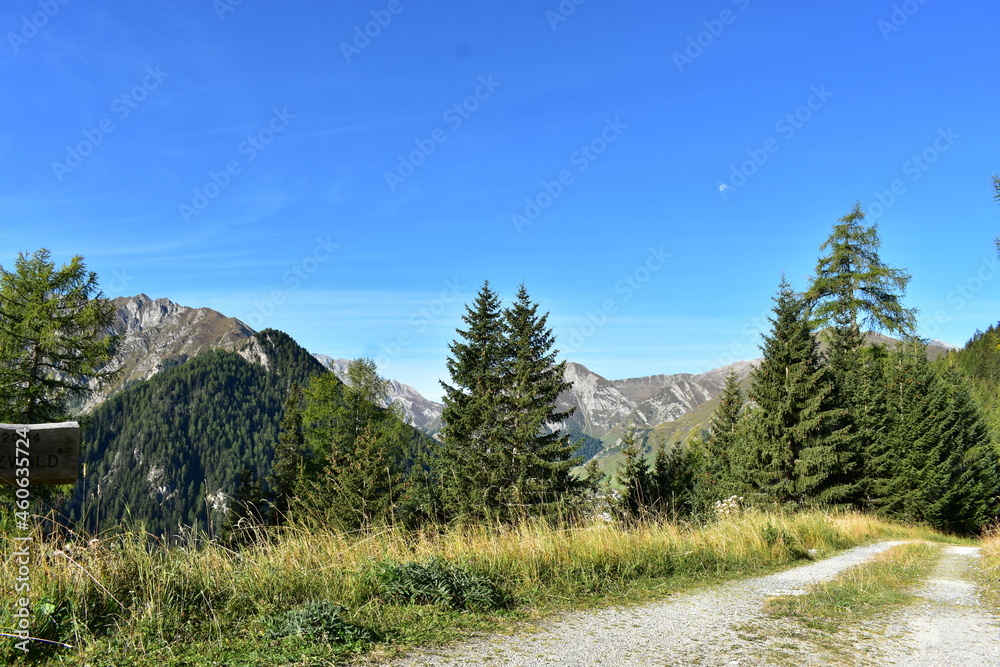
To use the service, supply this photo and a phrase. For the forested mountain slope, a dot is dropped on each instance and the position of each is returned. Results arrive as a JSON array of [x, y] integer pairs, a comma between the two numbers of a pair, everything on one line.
[[158, 333], [168, 450]]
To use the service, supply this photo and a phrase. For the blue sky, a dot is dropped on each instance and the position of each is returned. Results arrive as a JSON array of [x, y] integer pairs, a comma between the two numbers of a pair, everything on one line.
[[350, 172]]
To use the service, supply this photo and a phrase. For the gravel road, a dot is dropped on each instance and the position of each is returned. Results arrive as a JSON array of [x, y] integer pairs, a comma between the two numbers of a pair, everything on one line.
[[725, 625], [949, 626]]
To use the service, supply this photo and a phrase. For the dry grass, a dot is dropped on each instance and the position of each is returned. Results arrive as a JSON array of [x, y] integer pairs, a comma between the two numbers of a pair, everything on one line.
[[991, 564]]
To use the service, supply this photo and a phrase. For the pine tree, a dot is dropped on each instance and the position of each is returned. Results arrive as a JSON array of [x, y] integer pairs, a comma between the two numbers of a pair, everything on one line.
[[853, 286], [472, 460], [360, 447], [541, 455], [53, 337], [796, 444], [288, 469], [722, 447], [634, 479]]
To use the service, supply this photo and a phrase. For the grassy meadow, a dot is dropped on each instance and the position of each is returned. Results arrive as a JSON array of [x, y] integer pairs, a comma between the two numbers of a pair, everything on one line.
[[303, 597]]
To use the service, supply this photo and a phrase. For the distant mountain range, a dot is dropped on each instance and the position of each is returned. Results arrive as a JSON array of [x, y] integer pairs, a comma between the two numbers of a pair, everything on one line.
[[159, 334], [604, 406], [200, 395]]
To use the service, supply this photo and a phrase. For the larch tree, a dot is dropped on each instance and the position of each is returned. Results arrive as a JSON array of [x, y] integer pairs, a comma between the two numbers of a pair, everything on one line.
[[54, 337], [360, 448], [853, 286]]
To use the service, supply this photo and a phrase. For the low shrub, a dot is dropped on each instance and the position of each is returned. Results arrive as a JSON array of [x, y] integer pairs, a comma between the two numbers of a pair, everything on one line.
[[320, 620], [437, 581]]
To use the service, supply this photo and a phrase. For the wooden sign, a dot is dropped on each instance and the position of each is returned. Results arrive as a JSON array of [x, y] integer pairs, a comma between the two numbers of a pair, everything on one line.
[[51, 451]]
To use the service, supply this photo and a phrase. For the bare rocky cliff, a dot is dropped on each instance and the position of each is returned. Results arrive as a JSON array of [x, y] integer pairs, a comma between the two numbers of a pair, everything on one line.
[[605, 405], [158, 333]]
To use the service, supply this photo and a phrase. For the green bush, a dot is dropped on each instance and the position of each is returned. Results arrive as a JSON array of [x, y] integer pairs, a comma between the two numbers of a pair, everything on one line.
[[439, 582], [320, 620]]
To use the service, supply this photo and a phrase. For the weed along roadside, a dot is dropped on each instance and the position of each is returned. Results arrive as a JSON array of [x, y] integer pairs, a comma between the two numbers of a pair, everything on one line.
[[295, 595]]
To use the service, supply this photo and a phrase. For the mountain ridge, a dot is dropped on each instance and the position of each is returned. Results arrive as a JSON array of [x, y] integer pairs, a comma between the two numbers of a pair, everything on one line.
[[160, 333]]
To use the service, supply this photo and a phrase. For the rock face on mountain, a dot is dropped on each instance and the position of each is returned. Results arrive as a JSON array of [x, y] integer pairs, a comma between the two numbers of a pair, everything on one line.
[[158, 333], [418, 411], [604, 405]]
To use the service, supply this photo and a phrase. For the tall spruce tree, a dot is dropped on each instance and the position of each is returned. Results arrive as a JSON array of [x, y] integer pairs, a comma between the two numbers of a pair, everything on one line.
[[853, 286], [502, 454], [634, 479], [472, 460], [870, 420], [661, 477], [796, 449], [541, 454], [722, 448], [845, 361], [680, 491], [935, 462]]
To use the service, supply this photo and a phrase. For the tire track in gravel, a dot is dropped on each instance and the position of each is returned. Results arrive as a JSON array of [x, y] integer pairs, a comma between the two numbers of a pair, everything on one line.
[[696, 628]]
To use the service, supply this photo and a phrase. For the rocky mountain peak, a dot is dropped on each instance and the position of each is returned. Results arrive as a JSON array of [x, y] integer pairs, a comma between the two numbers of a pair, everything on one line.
[[157, 333]]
